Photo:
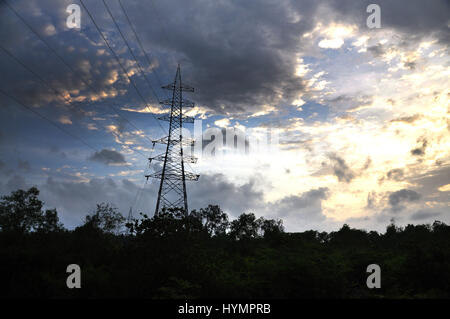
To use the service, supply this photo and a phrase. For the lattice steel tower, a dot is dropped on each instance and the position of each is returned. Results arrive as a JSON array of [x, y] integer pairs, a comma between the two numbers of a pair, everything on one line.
[[173, 176]]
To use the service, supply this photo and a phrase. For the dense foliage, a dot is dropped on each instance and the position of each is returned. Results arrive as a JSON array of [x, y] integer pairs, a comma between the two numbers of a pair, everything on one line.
[[204, 255]]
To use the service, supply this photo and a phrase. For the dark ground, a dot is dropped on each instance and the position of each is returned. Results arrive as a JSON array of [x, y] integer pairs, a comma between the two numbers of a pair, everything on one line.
[[206, 256]]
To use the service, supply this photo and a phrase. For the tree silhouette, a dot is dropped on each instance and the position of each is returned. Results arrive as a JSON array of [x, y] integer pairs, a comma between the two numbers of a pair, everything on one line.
[[205, 255], [22, 212], [105, 218]]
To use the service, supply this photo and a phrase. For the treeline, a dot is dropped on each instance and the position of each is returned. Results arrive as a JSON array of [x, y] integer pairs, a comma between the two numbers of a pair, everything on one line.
[[205, 255]]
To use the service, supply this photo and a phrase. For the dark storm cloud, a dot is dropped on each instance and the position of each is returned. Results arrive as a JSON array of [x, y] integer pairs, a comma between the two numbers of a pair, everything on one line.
[[239, 55], [415, 18], [216, 189], [14, 183], [237, 199], [401, 196], [341, 169], [371, 197], [108, 157], [306, 206], [429, 183], [54, 149], [121, 124], [410, 65], [95, 70], [74, 200], [419, 151], [424, 214], [24, 165], [346, 102], [395, 174], [407, 119], [367, 164], [376, 50]]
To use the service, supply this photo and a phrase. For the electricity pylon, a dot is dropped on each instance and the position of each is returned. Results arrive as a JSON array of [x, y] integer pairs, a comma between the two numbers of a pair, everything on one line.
[[129, 220], [173, 176]]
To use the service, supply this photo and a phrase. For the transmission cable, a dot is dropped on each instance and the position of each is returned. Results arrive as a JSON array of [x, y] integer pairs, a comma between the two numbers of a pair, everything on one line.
[[120, 64], [140, 45], [68, 65], [47, 84]]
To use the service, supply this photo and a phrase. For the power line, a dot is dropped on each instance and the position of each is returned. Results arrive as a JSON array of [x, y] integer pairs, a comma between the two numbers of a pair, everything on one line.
[[62, 95], [66, 132], [140, 43], [129, 49], [68, 65], [59, 127], [49, 120], [120, 63], [12, 56], [161, 21], [46, 83], [142, 47]]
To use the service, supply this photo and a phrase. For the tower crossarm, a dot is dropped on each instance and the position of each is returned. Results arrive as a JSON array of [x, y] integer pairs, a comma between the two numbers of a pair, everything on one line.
[[174, 176], [184, 103], [185, 119], [173, 141], [172, 86], [162, 157]]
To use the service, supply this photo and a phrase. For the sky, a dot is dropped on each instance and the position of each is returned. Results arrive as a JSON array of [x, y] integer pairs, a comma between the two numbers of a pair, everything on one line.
[[361, 114]]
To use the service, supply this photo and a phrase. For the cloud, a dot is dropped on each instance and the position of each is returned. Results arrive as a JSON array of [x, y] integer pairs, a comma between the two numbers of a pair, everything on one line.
[[416, 20], [222, 122], [331, 43], [306, 206], [341, 169], [298, 211], [216, 189], [377, 50], [74, 200], [424, 214], [108, 157], [430, 182], [24, 165], [420, 151], [94, 77], [401, 196], [13, 183], [407, 119], [351, 103], [238, 67], [64, 119], [444, 188], [371, 199], [395, 174]]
